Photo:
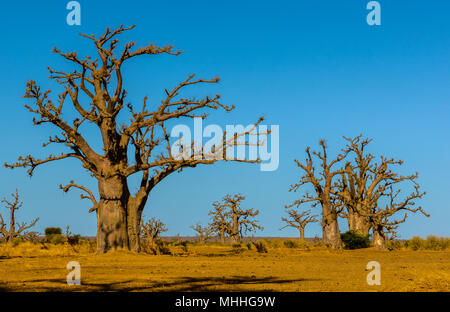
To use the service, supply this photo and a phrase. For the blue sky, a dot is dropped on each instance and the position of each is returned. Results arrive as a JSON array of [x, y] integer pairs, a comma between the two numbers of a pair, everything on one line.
[[313, 67]]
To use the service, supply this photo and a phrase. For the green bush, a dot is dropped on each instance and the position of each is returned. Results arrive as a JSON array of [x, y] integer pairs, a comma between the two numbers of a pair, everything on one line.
[[52, 230], [290, 243], [260, 246], [353, 240], [55, 239]]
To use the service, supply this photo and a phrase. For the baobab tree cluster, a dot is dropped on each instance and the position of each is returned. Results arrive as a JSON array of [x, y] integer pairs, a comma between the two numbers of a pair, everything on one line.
[[356, 185]]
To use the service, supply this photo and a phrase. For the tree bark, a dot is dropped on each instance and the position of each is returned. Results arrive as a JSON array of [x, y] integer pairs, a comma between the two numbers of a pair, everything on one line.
[[222, 237], [358, 223], [379, 240], [112, 231], [235, 237], [134, 216], [330, 227], [302, 233]]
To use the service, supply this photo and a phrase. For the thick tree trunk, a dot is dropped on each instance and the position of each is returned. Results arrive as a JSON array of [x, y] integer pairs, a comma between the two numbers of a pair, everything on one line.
[[379, 240], [222, 237], [235, 237], [330, 227], [302, 234], [112, 214], [358, 223], [134, 216]]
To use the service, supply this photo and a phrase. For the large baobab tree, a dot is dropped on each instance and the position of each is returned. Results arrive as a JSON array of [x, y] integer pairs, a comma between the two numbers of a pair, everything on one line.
[[204, 232], [240, 221], [219, 221], [355, 189], [322, 178], [364, 185], [15, 229], [299, 220], [95, 91]]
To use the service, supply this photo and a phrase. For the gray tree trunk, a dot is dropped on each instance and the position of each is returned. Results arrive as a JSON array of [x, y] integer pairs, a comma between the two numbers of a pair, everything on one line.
[[112, 231]]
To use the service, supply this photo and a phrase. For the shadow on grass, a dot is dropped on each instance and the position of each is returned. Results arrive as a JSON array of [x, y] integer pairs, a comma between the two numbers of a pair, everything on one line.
[[180, 284]]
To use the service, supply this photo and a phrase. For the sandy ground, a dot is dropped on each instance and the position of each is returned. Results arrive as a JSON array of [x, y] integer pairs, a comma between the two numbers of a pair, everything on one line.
[[217, 268]]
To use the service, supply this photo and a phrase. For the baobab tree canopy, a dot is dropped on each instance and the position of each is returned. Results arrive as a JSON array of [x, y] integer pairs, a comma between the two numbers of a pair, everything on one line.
[[95, 90]]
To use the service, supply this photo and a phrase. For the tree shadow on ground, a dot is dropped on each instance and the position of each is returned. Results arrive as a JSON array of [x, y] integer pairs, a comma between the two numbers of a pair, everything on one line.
[[193, 284]]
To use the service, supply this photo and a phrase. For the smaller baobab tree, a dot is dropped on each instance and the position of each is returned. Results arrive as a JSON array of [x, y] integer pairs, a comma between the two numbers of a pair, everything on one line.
[[321, 175], [152, 229], [240, 221], [219, 221], [15, 229], [382, 220], [204, 232], [299, 220]]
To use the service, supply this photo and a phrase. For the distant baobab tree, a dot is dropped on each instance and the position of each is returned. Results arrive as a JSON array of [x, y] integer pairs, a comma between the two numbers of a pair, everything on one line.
[[152, 229], [299, 220], [95, 91], [219, 221], [15, 229], [239, 221], [204, 232], [322, 178]]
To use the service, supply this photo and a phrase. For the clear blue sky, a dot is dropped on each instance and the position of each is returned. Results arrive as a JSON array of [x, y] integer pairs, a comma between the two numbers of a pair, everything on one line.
[[313, 67]]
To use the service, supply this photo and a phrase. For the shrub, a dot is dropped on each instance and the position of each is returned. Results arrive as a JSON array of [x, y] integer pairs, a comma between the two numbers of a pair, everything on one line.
[[55, 239], [394, 245], [437, 243], [275, 244], [237, 248], [415, 243], [260, 246], [290, 243], [74, 239], [431, 243], [162, 248], [52, 230], [249, 246], [16, 241], [353, 240]]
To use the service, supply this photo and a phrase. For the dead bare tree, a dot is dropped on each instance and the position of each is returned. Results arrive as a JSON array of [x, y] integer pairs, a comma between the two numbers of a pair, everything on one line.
[[364, 185], [299, 220], [240, 221], [99, 80], [382, 219], [322, 178], [15, 229], [219, 221], [152, 229], [204, 232], [355, 188]]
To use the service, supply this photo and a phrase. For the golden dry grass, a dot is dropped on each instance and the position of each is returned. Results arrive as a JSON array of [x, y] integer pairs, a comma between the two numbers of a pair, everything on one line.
[[28, 267]]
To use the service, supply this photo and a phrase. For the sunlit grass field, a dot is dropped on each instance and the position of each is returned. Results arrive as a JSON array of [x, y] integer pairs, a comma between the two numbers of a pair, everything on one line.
[[212, 267]]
